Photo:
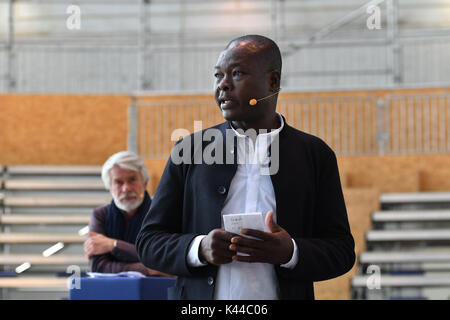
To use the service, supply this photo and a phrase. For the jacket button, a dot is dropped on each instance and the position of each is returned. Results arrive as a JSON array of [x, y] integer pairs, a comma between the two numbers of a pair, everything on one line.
[[210, 281], [222, 190]]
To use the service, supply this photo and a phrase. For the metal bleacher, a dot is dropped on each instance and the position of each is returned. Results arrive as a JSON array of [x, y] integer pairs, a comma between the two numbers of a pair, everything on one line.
[[408, 249], [41, 206]]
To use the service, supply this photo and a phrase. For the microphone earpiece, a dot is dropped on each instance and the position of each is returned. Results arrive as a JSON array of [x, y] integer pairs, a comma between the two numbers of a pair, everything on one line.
[[254, 101], [141, 195]]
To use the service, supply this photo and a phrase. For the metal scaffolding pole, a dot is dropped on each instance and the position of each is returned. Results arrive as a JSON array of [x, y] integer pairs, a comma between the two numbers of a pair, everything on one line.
[[274, 19], [181, 44], [144, 83], [282, 20], [132, 139], [392, 40], [11, 82]]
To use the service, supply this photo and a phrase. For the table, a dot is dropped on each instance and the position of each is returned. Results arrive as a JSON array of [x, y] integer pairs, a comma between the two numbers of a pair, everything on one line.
[[122, 288]]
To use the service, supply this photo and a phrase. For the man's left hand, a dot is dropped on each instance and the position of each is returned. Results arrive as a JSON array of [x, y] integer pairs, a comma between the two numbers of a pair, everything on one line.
[[273, 247]]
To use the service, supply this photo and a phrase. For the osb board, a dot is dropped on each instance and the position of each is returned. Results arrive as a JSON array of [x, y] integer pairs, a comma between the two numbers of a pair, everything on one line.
[[155, 169], [383, 177], [361, 203], [435, 178], [397, 173], [61, 129]]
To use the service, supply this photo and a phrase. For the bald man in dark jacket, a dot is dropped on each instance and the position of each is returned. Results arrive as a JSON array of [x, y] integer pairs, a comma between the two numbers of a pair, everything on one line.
[[310, 240]]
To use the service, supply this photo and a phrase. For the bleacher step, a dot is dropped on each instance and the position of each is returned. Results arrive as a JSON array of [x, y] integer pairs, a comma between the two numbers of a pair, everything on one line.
[[406, 216], [28, 219], [408, 235], [34, 238], [403, 257], [415, 197], [22, 201], [402, 281], [41, 184], [55, 170], [39, 259], [34, 282]]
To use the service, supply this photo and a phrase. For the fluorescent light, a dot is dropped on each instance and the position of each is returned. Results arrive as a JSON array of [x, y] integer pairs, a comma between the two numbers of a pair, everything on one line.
[[53, 249], [83, 231], [24, 266]]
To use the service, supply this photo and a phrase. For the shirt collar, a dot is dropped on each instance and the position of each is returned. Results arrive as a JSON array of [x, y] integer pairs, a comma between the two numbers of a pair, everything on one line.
[[272, 132]]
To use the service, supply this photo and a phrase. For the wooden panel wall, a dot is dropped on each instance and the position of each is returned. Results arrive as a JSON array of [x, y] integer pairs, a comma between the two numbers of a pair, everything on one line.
[[61, 129]]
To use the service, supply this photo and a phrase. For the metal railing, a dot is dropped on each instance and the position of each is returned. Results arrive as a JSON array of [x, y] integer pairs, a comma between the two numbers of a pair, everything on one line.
[[366, 124], [74, 68], [416, 123]]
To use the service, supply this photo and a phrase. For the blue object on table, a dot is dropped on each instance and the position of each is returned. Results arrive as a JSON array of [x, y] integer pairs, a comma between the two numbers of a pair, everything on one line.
[[8, 274], [122, 288]]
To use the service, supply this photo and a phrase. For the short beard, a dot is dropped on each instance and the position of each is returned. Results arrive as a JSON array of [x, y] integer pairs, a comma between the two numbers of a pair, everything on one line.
[[129, 205]]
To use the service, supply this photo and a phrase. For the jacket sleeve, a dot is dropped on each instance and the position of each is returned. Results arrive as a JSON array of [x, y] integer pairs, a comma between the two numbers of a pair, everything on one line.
[[106, 263], [125, 251], [161, 243], [122, 258], [329, 252]]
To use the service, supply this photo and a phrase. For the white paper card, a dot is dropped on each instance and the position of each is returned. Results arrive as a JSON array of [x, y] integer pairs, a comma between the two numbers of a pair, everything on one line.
[[236, 222], [127, 274]]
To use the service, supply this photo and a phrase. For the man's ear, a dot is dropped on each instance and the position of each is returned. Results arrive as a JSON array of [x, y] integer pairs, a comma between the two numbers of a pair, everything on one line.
[[274, 80]]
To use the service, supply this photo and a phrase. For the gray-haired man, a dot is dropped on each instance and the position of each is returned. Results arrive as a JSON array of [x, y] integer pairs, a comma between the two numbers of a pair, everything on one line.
[[114, 227]]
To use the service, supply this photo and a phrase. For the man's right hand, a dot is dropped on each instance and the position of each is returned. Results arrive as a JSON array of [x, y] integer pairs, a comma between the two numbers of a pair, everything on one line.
[[214, 248], [98, 243]]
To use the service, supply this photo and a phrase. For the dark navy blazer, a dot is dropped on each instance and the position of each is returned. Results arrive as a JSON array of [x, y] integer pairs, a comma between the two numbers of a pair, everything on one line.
[[309, 206]]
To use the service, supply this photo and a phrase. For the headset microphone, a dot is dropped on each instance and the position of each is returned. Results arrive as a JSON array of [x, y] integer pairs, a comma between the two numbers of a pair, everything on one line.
[[254, 101]]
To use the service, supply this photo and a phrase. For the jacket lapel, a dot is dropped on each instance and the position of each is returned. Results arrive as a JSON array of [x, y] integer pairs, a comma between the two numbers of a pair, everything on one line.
[[283, 169]]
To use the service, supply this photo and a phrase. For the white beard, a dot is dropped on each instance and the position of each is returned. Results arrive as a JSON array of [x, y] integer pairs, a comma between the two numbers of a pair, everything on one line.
[[128, 205]]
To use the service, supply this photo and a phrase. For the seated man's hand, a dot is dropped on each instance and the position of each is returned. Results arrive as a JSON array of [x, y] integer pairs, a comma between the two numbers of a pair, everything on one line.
[[98, 243], [273, 247], [214, 248], [156, 273]]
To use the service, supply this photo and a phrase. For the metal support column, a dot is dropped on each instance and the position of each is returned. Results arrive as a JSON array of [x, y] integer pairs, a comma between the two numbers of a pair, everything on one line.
[[132, 139], [144, 82], [382, 136], [282, 23], [181, 45], [393, 44], [274, 20], [10, 77]]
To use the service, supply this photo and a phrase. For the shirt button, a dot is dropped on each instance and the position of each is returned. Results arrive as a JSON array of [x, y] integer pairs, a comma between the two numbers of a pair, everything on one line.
[[210, 281], [222, 190]]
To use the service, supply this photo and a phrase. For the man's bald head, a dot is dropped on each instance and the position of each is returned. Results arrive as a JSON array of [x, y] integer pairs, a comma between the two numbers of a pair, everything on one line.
[[263, 47]]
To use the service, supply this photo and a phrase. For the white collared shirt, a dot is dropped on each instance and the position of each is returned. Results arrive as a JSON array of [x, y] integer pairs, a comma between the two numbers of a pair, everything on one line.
[[250, 191]]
